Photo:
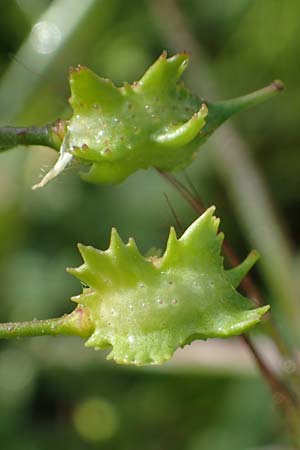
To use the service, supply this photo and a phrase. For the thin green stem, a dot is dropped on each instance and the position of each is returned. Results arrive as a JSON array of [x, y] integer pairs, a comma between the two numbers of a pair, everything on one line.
[[50, 135], [76, 323], [221, 111]]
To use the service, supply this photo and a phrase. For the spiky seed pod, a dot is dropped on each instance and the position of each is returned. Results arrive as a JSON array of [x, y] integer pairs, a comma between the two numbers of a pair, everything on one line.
[[155, 122], [147, 308], [146, 124]]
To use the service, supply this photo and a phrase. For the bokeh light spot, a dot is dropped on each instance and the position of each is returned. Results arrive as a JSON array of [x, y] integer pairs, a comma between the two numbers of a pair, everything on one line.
[[95, 419], [45, 37]]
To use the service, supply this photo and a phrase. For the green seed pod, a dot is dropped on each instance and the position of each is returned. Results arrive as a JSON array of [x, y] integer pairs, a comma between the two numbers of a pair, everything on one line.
[[121, 130], [146, 308], [155, 122]]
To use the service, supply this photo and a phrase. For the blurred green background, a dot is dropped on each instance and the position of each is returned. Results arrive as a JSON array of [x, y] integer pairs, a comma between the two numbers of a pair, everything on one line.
[[53, 392]]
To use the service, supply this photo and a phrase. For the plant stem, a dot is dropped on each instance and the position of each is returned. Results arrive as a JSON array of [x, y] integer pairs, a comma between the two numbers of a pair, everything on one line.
[[268, 374], [282, 396], [49, 135], [247, 283], [241, 178], [285, 399], [76, 323], [222, 110]]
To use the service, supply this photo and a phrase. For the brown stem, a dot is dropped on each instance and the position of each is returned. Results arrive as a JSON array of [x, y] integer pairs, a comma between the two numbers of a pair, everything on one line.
[[276, 385], [282, 396], [247, 283]]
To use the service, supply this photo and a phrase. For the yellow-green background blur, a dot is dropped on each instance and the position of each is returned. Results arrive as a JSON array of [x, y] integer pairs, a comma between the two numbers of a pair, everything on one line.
[[54, 394]]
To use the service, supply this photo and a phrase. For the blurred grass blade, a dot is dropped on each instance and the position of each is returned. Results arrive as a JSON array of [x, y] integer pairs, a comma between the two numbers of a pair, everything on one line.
[[55, 26]]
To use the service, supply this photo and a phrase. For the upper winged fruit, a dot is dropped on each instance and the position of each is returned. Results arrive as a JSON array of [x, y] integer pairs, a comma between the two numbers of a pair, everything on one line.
[[154, 122]]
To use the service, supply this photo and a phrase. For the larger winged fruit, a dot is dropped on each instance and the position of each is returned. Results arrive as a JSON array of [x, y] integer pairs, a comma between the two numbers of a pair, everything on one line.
[[144, 309]]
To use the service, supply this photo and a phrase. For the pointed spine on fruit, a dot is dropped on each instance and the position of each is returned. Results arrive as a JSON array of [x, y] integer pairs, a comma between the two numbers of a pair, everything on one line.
[[236, 275], [221, 111], [88, 89], [180, 135], [164, 73]]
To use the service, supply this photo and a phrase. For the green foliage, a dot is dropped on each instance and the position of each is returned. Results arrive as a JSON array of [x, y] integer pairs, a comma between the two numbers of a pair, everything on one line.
[[147, 308]]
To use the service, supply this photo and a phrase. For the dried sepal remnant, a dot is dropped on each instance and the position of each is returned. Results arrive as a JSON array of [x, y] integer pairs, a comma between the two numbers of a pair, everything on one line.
[[147, 308], [154, 122]]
